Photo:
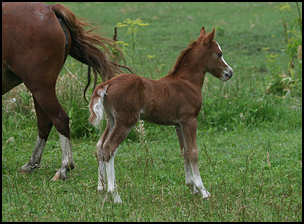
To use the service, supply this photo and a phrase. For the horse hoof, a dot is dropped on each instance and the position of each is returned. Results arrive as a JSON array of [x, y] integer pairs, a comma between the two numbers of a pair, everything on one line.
[[56, 177], [100, 188], [28, 168], [60, 175], [206, 194], [25, 169], [117, 199]]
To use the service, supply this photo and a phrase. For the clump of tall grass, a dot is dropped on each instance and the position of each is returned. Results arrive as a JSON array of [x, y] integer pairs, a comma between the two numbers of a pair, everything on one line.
[[231, 111], [69, 89], [288, 82], [18, 100], [18, 110]]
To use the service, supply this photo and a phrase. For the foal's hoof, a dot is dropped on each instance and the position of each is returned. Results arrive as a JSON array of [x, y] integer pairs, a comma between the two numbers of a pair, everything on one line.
[[206, 194], [117, 199], [100, 188]]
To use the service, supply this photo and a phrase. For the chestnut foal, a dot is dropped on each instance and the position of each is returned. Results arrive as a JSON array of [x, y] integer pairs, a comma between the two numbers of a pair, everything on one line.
[[172, 100]]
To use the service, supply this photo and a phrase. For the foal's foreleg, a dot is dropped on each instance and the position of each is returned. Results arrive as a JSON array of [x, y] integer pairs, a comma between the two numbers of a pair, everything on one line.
[[187, 167], [180, 139], [191, 157], [44, 127]]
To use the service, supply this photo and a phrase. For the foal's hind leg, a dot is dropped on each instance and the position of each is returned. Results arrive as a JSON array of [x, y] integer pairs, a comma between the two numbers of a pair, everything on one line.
[[44, 127], [107, 152], [101, 165], [48, 102]]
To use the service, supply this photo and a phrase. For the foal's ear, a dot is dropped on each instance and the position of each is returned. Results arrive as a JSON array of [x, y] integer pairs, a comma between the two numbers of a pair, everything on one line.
[[209, 37], [203, 32]]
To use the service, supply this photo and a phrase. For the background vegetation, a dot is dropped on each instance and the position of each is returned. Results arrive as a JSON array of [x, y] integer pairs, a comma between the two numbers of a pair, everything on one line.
[[250, 128]]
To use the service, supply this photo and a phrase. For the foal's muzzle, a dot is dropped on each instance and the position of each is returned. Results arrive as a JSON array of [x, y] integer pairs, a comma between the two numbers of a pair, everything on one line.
[[227, 74]]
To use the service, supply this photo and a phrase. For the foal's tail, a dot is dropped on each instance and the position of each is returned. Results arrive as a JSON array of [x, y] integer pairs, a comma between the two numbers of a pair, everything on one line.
[[96, 104], [84, 45]]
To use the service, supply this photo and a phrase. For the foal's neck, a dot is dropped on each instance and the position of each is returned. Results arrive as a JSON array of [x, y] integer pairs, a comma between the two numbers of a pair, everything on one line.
[[189, 70]]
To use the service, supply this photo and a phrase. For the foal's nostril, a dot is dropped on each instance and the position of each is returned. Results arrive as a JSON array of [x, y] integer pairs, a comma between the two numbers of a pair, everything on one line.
[[229, 74]]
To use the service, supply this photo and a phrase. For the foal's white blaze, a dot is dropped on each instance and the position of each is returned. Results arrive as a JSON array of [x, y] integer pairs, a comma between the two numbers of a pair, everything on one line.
[[228, 68], [98, 106]]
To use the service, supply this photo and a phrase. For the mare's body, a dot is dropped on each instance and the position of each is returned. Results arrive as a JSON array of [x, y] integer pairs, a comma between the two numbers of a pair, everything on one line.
[[36, 39]]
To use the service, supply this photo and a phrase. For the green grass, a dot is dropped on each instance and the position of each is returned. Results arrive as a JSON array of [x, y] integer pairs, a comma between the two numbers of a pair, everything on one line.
[[245, 183], [250, 143]]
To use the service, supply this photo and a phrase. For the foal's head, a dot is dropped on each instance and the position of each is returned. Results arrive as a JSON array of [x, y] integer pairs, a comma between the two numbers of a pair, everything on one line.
[[210, 53]]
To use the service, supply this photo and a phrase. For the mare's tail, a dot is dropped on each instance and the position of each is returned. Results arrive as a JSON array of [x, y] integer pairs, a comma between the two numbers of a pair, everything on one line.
[[84, 45]]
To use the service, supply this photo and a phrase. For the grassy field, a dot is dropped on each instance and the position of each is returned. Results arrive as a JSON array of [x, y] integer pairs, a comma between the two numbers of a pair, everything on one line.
[[250, 142]]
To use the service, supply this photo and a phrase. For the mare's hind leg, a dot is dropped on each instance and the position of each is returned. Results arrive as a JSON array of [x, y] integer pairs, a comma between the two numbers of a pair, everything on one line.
[[67, 162], [9, 79], [44, 127], [48, 102]]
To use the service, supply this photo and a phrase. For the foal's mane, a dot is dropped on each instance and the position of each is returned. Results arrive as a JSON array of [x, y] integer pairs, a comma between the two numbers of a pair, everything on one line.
[[181, 57]]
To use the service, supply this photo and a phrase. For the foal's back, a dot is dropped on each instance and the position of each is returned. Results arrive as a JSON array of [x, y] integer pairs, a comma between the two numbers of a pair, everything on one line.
[[160, 101]]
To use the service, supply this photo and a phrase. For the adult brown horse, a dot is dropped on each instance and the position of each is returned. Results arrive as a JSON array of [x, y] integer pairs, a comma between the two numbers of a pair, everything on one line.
[[36, 39]]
